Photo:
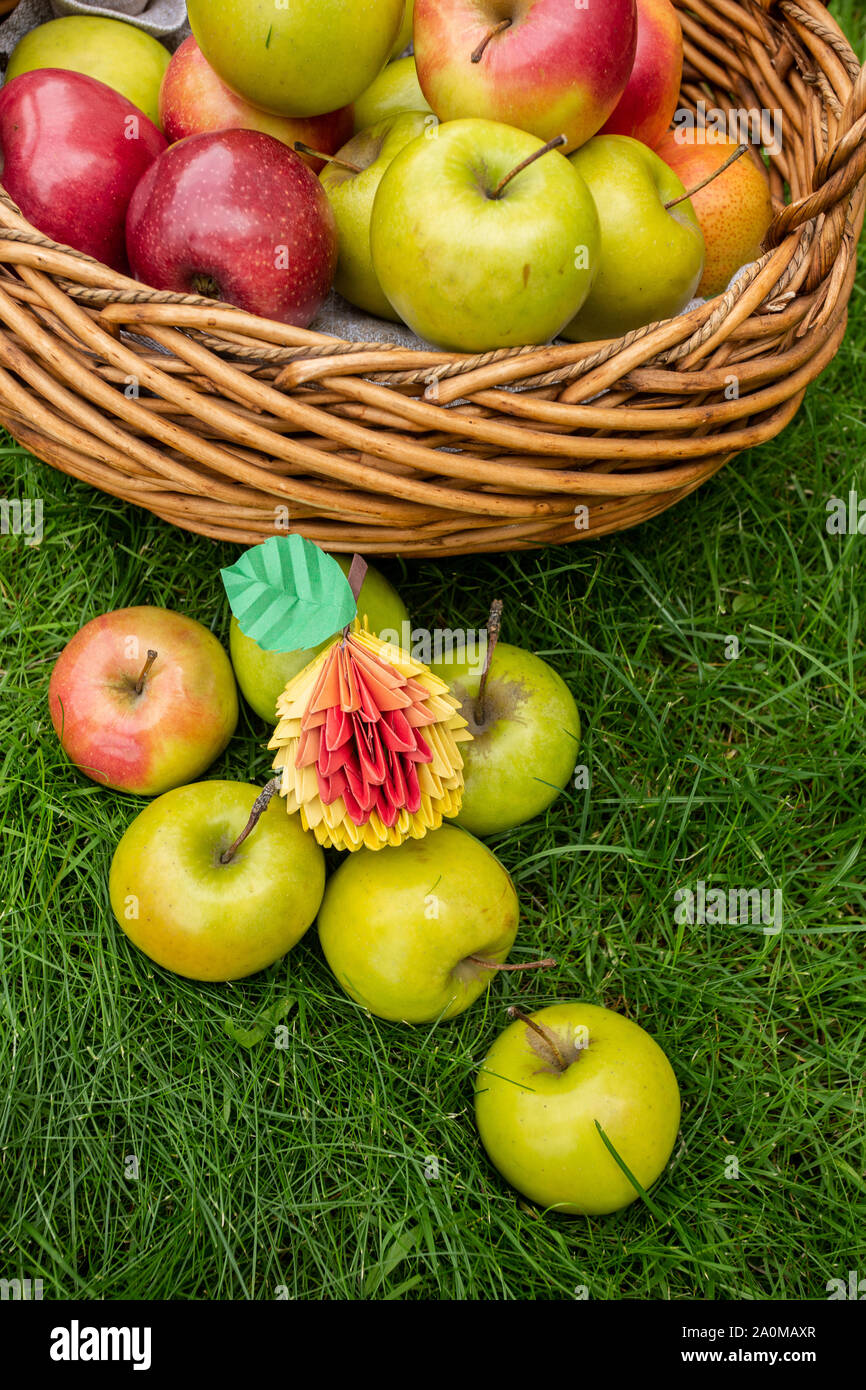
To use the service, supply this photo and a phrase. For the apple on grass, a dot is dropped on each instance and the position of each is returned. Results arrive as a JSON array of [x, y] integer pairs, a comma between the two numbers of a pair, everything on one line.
[[394, 91], [652, 256], [118, 54], [193, 100], [646, 107], [734, 210], [262, 676], [299, 58], [236, 216], [143, 699], [414, 932], [525, 737], [483, 237], [549, 67], [546, 1085], [72, 151], [351, 182], [196, 904]]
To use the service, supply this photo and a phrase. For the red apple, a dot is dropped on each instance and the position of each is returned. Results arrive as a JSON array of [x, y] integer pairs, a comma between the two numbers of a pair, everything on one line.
[[236, 216], [550, 67], [646, 107], [72, 152], [193, 100], [162, 735]]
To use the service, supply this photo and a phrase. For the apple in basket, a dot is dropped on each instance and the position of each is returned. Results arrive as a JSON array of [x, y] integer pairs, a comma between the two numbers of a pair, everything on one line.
[[73, 151], [185, 230]]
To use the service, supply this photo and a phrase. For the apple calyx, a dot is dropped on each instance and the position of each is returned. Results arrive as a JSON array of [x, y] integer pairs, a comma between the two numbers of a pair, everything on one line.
[[553, 144], [740, 150], [499, 28], [259, 806], [151, 658], [300, 148], [556, 1052], [206, 285], [494, 624]]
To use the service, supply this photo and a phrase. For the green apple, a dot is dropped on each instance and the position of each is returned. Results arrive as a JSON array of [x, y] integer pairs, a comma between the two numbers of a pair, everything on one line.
[[118, 54], [652, 257], [201, 918], [262, 675], [404, 38], [352, 196], [471, 261], [399, 926], [396, 89], [298, 59], [525, 737], [538, 1097]]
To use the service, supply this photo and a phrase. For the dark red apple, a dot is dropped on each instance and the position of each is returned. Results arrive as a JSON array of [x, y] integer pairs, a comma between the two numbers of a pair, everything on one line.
[[194, 99], [72, 153], [646, 107], [235, 215]]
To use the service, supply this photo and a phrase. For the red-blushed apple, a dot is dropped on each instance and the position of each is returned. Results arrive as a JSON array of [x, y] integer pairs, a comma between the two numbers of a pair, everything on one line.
[[142, 723], [236, 216], [73, 151], [734, 211], [546, 1085], [193, 99], [549, 67], [200, 900], [414, 932], [646, 107]]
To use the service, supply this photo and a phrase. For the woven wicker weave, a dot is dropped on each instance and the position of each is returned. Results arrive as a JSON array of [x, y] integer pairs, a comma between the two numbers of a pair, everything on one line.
[[236, 425]]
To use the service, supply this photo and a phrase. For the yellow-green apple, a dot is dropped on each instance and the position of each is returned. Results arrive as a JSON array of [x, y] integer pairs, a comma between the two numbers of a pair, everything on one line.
[[72, 152], [118, 54], [404, 38], [549, 67], [646, 107], [185, 230], [651, 256], [525, 737], [197, 906], [298, 59], [262, 676], [475, 251], [143, 699], [414, 933], [734, 210], [395, 90], [351, 182], [194, 99], [542, 1091]]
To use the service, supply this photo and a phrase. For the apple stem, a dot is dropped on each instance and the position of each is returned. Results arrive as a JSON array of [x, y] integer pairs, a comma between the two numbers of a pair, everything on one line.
[[740, 150], [498, 29], [259, 805], [151, 658], [494, 623], [301, 148], [529, 965], [553, 144], [542, 1032]]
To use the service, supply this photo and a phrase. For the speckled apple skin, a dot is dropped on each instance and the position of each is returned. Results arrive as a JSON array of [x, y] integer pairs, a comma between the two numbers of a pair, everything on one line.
[[203, 919], [538, 1126], [170, 733], [240, 207], [395, 923]]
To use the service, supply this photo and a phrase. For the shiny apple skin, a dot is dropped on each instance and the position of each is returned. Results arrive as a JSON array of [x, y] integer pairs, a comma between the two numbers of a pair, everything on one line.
[[200, 918], [193, 100], [73, 151], [237, 207], [646, 107], [170, 733]]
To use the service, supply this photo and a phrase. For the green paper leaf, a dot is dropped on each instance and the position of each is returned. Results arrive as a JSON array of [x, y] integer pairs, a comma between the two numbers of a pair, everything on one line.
[[287, 594]]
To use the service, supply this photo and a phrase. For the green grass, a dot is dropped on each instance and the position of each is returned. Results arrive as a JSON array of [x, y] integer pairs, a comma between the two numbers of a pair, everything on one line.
[[303, 1168]]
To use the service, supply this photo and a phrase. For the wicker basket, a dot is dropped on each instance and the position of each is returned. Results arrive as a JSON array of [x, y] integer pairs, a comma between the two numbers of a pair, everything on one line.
[[234, 426]]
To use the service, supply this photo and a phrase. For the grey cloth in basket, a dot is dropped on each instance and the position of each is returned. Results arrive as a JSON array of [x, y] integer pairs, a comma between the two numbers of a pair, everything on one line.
[[165, 19]]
